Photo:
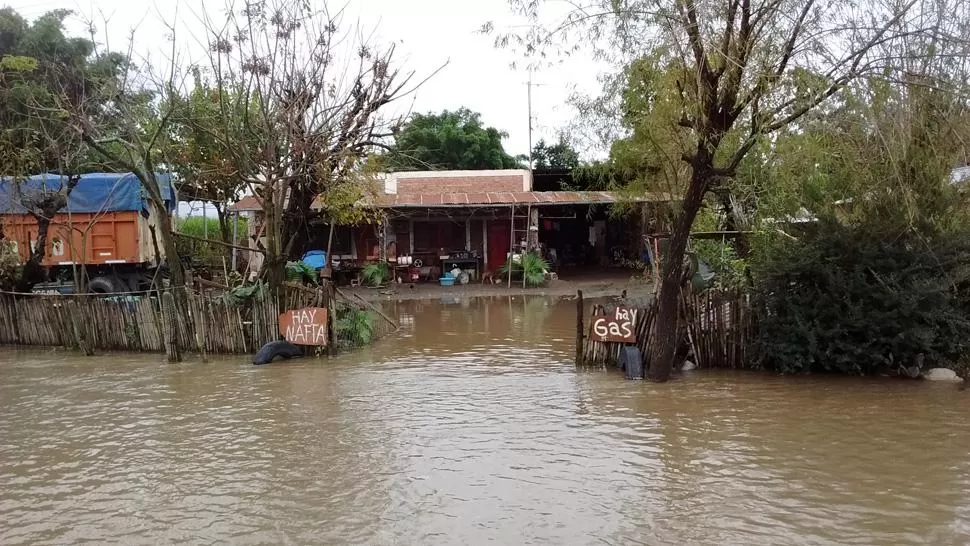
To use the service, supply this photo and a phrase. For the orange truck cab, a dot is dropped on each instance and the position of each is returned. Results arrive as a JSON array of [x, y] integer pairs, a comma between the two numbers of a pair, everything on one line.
[[107, 229]]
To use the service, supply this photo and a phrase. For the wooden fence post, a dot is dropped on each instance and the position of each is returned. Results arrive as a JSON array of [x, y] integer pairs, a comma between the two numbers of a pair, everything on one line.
[[197, 304], [331, 319], [170, 322], [76, 316], [579, 327]]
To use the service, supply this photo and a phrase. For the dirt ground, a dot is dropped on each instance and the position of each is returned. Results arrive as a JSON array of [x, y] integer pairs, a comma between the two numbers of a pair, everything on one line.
[[593, 285]]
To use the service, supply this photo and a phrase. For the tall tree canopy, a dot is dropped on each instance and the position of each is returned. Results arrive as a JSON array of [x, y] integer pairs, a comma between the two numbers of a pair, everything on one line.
[[204, 172], [44, 75], [560, 155], [451, 140]]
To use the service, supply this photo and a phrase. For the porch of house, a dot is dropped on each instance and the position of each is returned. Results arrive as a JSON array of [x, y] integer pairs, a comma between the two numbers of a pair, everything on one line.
[[581, 242]]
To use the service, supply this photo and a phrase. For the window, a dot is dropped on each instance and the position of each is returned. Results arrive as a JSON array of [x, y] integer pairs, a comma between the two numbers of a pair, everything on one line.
[[435, 236], [57, 247]]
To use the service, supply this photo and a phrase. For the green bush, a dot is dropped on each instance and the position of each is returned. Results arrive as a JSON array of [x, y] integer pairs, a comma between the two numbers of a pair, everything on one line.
[[376, 273], [729, 270], [244, 294], [208, 253], [300, 272], [353, 326], [857, 301]]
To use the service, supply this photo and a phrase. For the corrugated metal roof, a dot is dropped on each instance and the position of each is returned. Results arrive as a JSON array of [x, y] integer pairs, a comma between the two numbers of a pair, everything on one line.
[[535, 198], [482, 199], [246, 204]]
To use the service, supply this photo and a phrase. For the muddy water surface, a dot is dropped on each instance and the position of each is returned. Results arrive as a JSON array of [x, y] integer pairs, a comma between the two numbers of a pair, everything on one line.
[[471, 426]]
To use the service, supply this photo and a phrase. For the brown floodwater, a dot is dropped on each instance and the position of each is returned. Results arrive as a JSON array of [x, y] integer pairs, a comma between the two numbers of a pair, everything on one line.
[[471, 426]]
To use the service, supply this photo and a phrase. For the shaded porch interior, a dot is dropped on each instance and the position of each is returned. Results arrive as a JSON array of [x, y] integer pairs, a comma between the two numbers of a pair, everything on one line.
[[580, 241]]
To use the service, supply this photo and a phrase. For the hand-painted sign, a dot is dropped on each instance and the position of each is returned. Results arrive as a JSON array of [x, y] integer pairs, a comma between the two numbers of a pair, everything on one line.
[[307, 326], [618, 327]]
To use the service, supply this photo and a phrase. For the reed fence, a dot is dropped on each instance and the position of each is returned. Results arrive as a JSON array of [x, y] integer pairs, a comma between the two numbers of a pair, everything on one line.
[[718, 325], [134, 322]]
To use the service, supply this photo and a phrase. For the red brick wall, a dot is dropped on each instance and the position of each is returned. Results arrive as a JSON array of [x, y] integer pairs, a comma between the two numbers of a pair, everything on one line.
[[460, 184]]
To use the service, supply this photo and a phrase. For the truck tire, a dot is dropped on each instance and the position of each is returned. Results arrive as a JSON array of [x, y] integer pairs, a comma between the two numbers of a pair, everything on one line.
[[141, 283], [273, 349], [101, 285]]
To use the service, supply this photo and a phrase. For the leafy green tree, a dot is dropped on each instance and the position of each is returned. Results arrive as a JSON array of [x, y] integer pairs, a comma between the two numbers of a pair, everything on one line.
[[554, 156], [44, 75], [204, 172], [451, 140]]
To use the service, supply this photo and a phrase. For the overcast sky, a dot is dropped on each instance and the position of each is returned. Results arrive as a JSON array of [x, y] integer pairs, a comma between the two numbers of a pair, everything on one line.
[[428, 34]]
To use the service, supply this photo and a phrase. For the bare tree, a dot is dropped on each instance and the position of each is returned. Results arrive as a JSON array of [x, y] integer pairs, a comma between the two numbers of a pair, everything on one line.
[[740, 70], [301, 97]]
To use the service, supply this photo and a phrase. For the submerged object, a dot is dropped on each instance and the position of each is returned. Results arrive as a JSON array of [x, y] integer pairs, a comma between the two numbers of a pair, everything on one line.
[[631, 362], [284, 349]]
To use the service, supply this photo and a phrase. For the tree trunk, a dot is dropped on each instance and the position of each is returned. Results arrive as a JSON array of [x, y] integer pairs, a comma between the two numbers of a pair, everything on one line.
[[667, 333], [225, 229], [274, 263], [33, 271], [164, 222]]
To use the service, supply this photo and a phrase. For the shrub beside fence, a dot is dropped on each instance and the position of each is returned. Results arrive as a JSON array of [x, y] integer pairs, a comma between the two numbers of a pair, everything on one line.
[[129, 322]]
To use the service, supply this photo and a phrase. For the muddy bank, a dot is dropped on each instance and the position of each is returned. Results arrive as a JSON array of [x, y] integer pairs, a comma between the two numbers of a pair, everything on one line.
[[592, 288]]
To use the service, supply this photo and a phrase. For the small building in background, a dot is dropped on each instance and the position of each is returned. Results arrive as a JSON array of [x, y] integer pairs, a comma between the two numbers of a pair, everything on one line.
[[474, 220]]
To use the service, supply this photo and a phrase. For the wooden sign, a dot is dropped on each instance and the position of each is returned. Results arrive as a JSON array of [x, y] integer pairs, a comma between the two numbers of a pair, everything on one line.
[[618, 327], [307, 326]]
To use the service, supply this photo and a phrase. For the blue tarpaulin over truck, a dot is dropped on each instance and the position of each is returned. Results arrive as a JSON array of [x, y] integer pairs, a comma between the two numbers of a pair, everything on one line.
[[95, 193]]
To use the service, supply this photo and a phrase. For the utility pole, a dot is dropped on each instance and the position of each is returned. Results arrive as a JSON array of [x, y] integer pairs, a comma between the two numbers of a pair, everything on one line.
[[529, 86], [529, 95]]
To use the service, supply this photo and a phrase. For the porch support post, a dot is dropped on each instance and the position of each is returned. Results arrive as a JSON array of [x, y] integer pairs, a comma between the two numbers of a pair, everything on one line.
[[533, 235], [382, 239], [511, 242], [468, 234], [410, 236], [485, 244]]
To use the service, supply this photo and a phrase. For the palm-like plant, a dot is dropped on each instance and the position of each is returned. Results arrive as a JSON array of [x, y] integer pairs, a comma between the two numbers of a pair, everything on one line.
[[375, 274], [532, 266]]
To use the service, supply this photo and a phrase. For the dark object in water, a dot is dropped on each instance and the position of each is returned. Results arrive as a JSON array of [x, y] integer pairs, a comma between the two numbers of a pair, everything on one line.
[[274, 349], [631, 362]]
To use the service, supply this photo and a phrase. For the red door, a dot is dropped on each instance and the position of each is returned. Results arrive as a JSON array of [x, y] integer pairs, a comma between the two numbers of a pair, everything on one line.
[[498, 244]]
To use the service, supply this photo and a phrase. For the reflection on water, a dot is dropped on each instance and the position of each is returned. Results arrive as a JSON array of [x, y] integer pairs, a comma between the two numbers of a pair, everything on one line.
[[471, 425]]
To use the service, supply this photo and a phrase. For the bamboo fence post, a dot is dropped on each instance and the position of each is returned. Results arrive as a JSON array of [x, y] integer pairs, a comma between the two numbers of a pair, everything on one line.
[[170, 319], [331, 319], [82, 343], [579, 327], [196, 304]]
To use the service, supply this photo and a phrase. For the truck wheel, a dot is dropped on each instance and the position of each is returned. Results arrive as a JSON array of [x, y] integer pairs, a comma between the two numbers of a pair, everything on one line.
[[101, 285], [141, 283]]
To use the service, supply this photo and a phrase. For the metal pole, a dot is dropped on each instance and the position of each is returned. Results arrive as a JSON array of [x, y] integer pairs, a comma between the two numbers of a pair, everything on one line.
[[529, 98]]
